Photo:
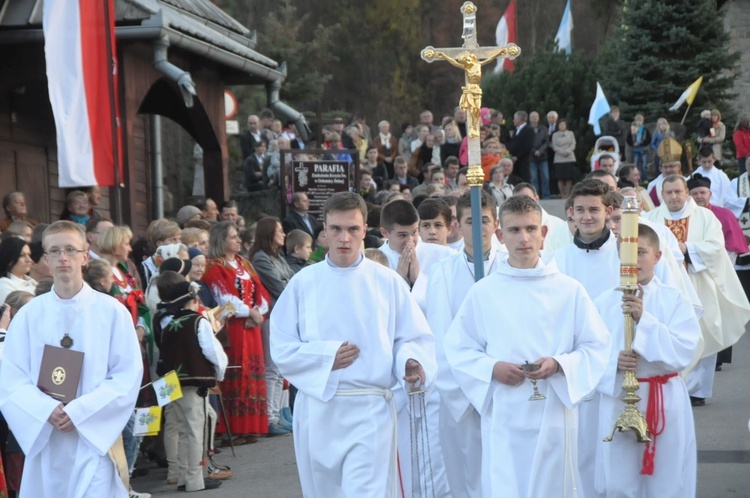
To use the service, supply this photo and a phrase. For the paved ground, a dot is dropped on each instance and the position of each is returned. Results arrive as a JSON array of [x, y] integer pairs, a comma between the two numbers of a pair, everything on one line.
[[267, 468]]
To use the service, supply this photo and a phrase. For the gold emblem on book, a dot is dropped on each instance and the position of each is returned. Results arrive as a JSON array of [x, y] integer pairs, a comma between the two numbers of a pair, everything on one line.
[[58, 376]]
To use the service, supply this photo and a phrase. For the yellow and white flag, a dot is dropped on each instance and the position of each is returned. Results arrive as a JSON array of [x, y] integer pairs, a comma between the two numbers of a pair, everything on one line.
[[688, 95], [147, 421], [167, 388]]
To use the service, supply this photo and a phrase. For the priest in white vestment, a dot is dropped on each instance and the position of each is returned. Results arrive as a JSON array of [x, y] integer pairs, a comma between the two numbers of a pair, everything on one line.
[[726, 310], [669, 152], [459, 423], [666, 335], [527, 311], [344, 331], [67, 446]]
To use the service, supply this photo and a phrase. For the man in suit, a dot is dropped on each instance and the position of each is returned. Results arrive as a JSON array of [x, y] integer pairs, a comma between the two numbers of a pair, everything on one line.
[[299, 217], [521, 145], [252, 168], [251, 136]]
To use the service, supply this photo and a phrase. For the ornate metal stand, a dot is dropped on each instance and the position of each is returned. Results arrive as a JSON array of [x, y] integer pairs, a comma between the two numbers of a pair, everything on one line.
[[630, 418]]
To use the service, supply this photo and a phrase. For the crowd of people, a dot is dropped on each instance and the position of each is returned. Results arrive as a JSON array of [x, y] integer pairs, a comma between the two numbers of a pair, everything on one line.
[[321, 328]]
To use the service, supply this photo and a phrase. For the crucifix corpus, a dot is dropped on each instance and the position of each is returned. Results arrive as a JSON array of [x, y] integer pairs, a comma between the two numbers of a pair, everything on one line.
[[471, 57]]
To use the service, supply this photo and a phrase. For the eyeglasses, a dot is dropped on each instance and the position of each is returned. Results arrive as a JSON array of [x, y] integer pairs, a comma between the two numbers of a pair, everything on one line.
[[68, 251]]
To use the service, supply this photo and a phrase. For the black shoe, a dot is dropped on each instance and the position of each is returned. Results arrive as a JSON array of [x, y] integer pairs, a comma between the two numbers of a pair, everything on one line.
[[208, 482], [718, 368], [138, 473], [697, 401], [211, 483]]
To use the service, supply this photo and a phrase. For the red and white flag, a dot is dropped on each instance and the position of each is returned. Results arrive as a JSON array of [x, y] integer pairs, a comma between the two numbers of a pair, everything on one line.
[[82, 82], [506, 33]]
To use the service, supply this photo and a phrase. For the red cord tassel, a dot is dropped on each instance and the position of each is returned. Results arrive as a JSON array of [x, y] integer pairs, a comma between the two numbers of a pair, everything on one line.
[[655, 418]]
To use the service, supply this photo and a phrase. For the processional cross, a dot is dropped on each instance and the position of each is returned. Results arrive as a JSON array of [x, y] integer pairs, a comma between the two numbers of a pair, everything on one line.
[[471, 57]]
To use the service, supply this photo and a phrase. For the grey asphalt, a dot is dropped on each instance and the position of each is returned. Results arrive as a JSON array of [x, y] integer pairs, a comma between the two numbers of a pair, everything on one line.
[[268, 468]]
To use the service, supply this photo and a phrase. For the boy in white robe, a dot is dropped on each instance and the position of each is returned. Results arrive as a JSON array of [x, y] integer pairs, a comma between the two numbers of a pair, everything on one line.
[[414, 260], [459, 423], [344, 331], [593, 260], [408, 256], [527, 311], [66, 446], [666, 335]]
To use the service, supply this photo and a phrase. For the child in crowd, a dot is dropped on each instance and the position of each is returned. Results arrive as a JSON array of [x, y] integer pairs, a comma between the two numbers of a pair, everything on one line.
[[321, 247], [434, 221], [666, 335], [298, 249], [188, 346], [98, 274]]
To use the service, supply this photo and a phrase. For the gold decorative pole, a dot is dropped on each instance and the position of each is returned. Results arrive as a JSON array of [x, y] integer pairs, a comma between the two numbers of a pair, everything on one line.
[[630, 418], [471, 57]]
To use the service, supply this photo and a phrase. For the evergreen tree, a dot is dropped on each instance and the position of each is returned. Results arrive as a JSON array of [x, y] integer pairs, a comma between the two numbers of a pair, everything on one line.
[[308, 58], [548, 81], [661, 47]]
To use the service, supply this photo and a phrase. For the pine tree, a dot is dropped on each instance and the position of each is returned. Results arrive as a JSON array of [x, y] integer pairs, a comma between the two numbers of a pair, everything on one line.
[[661, 47]]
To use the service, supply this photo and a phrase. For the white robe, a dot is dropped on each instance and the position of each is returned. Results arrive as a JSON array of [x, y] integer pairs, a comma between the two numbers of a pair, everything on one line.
[[459, 428], [720, 186], [726, 310], [665, 339], [428, 255], [598, 271], [530, 446], [558, 233], [657, 184], [73, 464], [344, 443], [671, 268]]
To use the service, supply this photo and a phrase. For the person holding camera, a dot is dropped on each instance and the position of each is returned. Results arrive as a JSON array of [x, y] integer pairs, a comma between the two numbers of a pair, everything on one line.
[[187, 345]]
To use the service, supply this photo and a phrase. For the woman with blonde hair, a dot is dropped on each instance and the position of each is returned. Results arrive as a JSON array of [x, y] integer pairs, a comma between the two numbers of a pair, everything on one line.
[[716, 135], [660, 133]]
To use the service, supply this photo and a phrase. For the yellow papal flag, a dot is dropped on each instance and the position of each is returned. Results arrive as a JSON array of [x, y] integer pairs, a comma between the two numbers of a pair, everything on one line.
[[688, 95], [167, 388], [147, 421]]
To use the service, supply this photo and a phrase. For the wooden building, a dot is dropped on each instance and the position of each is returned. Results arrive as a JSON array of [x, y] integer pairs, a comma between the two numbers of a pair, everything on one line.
[[175, 59]]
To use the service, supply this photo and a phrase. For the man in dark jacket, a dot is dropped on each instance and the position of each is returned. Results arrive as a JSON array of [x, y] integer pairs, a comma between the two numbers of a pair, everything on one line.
[[521, 145]]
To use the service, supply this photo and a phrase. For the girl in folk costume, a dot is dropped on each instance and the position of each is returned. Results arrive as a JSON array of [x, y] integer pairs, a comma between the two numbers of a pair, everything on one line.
[[232, 279]]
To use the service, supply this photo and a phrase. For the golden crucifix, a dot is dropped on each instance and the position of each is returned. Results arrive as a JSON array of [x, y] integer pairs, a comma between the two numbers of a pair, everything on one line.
[[471, 57]]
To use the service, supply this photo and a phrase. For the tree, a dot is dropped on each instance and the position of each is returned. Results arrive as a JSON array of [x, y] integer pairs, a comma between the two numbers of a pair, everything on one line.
[[548, 80], [661, 47], [308, 58]]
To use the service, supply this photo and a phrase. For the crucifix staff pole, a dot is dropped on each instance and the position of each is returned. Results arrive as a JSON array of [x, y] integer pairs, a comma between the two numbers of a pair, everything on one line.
[[471, 57]]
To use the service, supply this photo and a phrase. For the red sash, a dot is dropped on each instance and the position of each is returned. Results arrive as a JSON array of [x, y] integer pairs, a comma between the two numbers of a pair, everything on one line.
[[654, 417]]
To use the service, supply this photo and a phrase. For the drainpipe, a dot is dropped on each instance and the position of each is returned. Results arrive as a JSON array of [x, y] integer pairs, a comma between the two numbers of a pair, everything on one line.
[[157, 164], [277, 106], [180, 77]]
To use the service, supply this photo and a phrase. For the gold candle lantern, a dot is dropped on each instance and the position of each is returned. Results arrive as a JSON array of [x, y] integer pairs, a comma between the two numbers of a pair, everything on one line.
[[630, 418]]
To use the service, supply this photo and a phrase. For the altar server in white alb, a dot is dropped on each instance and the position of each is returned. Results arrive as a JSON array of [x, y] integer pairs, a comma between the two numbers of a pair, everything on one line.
[[459, 423], [666, 335], [344, 331], [67, 446], [527, 311]]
